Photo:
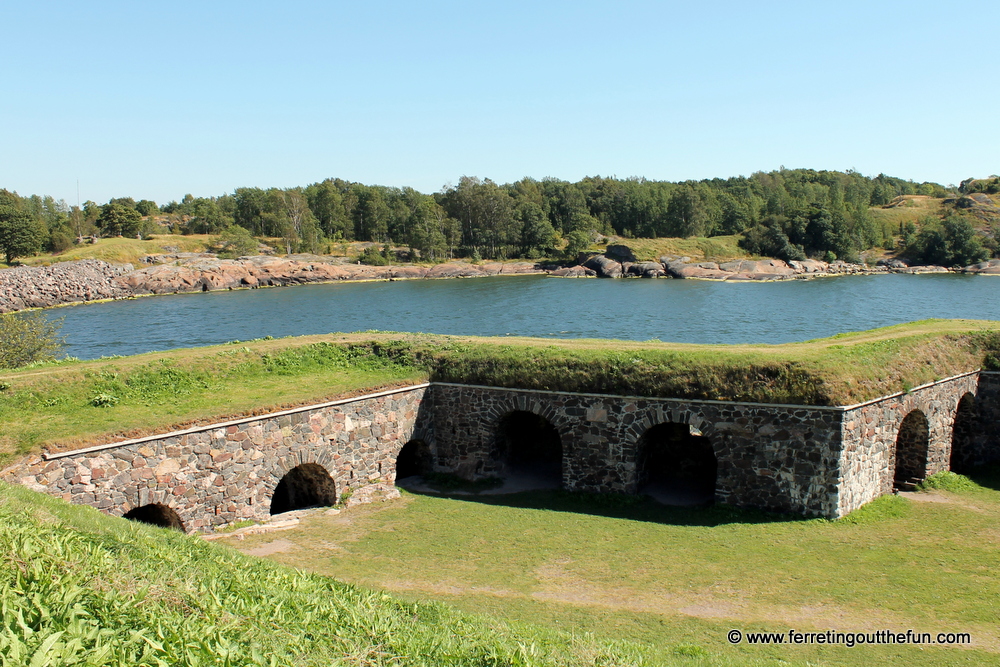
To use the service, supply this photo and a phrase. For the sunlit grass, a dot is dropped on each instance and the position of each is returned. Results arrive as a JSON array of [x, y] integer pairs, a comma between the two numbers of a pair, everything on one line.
[[122, 250], [669, 577]]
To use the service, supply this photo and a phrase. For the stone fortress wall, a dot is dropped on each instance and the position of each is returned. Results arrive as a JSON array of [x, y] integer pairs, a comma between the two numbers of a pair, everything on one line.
[[222, 473], [814, 460]]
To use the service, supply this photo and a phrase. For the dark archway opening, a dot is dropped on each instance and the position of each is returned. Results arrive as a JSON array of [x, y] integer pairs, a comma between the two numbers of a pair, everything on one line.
[[414, 459], [530, 448], [962, 434], [676, 466], [156, 514], [306, 485], [912, 444]]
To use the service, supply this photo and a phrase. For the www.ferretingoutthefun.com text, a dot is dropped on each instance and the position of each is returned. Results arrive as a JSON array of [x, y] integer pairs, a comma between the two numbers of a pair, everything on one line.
[[850, 639]]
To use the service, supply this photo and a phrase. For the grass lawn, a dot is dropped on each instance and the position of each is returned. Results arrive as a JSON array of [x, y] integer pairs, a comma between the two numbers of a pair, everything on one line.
[[677, 580]]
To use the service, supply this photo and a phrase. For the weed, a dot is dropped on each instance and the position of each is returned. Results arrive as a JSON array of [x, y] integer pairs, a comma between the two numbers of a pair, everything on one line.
[[104, 401], [948, 481]]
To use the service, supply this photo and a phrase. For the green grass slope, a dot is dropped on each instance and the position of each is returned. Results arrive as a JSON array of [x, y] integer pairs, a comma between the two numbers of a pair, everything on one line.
[[81, 588], [73, 403]]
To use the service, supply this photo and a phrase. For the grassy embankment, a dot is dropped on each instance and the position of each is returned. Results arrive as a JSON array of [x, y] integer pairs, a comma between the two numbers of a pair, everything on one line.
[[82, 588], [73, 403], [698, 248], [123, 250], [667, 577]]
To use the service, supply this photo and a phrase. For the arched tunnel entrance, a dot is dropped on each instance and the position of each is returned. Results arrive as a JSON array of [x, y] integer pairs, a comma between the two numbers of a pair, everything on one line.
[[413, 460], [676, 466], [305, 485], [530, 449], [156, 514], [912, 444], [962, 433]]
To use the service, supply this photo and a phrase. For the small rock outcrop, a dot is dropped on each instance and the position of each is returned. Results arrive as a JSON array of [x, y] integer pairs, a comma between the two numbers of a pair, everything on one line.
[[990, 267]]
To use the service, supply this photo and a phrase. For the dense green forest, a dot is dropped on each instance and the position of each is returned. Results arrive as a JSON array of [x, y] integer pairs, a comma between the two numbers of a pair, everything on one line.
[[789, 213]]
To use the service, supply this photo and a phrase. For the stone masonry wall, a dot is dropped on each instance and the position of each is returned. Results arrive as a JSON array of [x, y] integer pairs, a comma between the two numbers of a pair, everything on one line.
[[784, 458], [868, 460], [824, 461], [984, 446], [223, 473]]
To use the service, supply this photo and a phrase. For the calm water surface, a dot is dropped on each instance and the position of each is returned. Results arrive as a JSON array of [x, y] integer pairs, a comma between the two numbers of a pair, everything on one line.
[[689, 311]]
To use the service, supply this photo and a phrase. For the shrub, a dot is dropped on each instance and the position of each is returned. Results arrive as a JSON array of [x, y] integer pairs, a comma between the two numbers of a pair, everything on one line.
[[27, 338], [953, 242], [373, 257], [236, 241], [948, 481]]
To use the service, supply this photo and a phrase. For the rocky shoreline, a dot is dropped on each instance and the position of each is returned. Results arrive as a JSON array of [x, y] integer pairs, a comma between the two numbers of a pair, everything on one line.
[[94, 280]]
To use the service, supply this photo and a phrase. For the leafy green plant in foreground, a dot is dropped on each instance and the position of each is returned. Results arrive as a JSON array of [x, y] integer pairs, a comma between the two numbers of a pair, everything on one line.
[[81, 588]]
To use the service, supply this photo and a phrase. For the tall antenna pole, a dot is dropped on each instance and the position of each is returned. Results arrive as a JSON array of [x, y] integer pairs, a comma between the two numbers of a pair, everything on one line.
[[79, 211]]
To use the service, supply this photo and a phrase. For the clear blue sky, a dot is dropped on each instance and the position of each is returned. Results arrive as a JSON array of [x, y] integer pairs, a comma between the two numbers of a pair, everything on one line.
[[158, 100]]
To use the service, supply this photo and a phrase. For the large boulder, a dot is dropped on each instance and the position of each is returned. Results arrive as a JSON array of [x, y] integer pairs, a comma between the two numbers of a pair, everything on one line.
[[677, 268], [765, 268], [577, 271], [604, 267], [521, 268], [455, 270], [620, 253], [891, 263], [407, 272], [646, 270]]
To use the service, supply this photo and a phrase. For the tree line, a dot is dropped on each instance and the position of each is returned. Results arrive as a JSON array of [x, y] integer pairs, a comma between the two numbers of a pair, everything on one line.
[[786, 213]]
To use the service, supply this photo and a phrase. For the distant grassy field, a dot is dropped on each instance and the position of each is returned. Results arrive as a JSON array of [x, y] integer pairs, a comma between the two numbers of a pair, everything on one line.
[[82, 588], [716, 248], [71, 403], [123, 250], [671, 577], [912, 208]]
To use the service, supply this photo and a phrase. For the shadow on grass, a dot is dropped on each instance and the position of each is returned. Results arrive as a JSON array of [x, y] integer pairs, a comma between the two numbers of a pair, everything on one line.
[[987, 476], [621, 506]]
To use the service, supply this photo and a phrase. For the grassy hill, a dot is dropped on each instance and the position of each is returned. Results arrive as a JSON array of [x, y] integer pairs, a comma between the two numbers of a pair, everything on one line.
[[81, 588], [122, 250], [71, 403]]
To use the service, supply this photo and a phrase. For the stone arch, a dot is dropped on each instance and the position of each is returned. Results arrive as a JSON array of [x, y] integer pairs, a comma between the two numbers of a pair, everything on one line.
[[911, 450], [676, 464], [530, 446], [963, 432], [659, 415], [414, 458], [305, 485], [156, 514]]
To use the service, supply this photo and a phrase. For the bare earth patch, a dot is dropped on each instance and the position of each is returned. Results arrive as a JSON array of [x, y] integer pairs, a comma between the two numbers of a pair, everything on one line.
[[271, 548]]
